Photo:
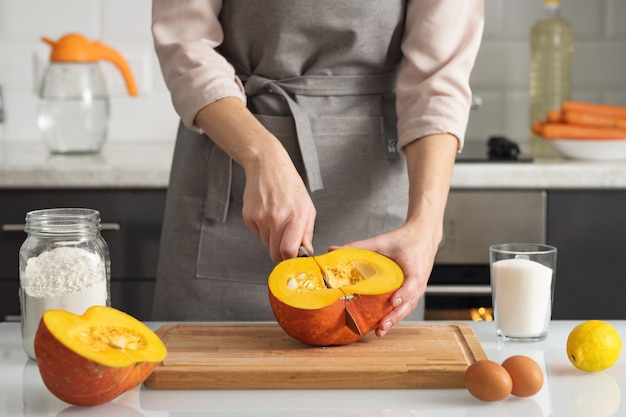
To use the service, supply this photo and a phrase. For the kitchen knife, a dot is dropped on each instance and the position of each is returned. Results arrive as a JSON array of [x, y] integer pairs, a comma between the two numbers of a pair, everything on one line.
[[302, 252], [350, 322]]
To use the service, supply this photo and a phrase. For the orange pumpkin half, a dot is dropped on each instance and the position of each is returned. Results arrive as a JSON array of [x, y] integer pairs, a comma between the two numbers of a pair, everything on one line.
[[361, 284], [91, 359]]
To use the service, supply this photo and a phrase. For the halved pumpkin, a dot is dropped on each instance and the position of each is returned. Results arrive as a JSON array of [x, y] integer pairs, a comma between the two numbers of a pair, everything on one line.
[[91, 359], [361, 283]]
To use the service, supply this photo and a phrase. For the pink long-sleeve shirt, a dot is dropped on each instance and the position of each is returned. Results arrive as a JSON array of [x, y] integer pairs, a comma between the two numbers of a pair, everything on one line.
[[440, 44]]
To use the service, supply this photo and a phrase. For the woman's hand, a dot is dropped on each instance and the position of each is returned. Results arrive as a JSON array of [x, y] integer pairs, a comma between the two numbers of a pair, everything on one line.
[[413, 249], [276, 204], [414, 245]]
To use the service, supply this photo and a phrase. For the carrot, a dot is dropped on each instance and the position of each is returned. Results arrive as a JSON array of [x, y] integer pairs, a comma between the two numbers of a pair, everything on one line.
[[569, 131], [590, 119], [554, 116], [537, 127], [610, 110]]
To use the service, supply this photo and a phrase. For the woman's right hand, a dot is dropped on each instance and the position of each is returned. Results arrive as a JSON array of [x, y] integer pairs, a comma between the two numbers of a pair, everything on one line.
[[276, 204]]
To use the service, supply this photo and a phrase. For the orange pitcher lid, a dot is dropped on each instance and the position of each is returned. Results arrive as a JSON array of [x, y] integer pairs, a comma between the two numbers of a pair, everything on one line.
[[74, 47]]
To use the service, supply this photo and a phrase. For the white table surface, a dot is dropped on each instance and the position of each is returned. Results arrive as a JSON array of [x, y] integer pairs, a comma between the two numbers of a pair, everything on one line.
[[567, 391]]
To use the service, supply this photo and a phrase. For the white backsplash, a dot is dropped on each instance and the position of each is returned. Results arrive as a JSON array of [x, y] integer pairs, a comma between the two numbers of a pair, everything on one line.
[[500, 77]]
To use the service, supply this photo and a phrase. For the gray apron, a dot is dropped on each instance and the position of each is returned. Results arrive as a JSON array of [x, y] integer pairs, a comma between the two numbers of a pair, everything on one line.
[[320, 76]]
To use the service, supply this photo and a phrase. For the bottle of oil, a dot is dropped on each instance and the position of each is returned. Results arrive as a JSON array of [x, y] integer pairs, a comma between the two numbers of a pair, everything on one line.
[[552, 45]]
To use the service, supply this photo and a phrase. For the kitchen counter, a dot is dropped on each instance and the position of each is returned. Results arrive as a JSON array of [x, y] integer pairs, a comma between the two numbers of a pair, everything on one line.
[[567, 391], [148, 165], [116, 166]]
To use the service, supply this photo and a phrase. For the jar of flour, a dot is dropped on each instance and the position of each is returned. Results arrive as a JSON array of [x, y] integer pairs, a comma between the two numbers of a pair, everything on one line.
[[64, 264]]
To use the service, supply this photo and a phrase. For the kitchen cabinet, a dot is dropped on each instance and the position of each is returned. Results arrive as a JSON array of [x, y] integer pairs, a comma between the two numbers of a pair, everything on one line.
[[589, 229], [133, 220]]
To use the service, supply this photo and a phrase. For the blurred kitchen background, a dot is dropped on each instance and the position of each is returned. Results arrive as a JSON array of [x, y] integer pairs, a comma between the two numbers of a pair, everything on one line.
[[488, 203], [500, 77]]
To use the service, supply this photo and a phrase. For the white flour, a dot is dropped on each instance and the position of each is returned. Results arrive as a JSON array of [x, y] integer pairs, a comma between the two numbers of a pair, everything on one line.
[[65, 278]]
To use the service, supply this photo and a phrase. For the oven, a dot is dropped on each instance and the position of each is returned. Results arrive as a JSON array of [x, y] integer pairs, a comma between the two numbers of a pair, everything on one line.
[[459, 287]]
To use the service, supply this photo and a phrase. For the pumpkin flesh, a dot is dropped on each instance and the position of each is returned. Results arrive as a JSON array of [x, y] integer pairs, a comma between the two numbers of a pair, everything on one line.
[[362, 283], [91, 359]]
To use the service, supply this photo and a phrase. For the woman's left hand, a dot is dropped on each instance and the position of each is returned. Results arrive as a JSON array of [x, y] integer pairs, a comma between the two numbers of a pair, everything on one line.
[[414, 245], [414, 251]]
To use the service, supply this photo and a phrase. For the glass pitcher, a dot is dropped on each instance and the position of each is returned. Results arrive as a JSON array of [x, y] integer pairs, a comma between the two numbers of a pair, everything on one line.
[[73, 114]]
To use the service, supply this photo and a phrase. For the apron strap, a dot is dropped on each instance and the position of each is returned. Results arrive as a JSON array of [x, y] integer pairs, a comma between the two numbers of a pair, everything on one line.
[[317, 85], [253, 86], [326, 85]]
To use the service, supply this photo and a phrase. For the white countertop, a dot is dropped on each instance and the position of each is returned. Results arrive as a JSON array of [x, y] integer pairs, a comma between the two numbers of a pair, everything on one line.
[[542, 174], [148, 165], [567, 391], [137, 165]]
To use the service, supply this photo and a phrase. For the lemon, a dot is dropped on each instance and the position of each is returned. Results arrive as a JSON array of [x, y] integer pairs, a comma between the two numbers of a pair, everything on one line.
[[593, 346]]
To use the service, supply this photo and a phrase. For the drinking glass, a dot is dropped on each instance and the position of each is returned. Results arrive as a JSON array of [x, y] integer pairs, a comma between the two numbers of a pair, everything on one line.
[[522, 285]]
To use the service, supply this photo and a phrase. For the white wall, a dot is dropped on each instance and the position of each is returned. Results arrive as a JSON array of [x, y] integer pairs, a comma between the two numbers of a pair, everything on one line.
[[500, 77]]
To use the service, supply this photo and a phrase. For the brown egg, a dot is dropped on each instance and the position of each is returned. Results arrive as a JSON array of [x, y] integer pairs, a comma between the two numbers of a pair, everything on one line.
[[526, 375], [488, 381]]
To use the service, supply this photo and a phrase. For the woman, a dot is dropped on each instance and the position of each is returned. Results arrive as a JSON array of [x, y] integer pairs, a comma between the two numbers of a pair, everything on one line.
[[327, 122]]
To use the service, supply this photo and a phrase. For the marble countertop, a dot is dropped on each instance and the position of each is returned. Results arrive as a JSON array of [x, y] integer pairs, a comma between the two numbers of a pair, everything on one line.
[[566, 391], [541, 174], [148, 165], [137, 165]]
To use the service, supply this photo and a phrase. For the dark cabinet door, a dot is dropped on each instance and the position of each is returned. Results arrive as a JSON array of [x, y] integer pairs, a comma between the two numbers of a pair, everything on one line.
[[132, 228], [589, 230]]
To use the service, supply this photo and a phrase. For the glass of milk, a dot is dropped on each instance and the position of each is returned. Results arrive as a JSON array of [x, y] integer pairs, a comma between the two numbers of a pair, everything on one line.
[[522, 286]]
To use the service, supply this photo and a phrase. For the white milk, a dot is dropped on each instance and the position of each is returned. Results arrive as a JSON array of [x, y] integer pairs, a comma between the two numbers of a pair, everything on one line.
[[523, 296]]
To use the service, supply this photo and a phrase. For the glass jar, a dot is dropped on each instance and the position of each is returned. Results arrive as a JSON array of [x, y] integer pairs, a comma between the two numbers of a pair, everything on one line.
[[73, 113], [64, 264]]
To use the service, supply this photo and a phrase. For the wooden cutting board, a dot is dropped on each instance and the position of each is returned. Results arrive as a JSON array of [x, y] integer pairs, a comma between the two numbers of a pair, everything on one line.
[[249, 356]]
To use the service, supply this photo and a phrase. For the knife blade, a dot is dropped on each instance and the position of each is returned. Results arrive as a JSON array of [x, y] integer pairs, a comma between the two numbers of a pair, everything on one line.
[[350, 321], [302, 252]]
